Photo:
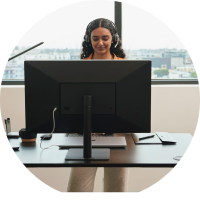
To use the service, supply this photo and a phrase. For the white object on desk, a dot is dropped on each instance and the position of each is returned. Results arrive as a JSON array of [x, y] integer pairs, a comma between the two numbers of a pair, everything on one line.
[[100, 142], [165, 137]]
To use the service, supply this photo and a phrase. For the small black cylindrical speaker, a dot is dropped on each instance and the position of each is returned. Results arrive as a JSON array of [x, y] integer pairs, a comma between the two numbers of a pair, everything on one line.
[[27, 137]]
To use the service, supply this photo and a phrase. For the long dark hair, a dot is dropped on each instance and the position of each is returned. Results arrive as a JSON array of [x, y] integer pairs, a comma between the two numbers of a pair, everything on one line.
[[105, 23]]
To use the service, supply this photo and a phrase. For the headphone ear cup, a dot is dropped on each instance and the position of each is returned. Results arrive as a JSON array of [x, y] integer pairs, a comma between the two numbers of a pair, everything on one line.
[[116, 39], [117, 36]]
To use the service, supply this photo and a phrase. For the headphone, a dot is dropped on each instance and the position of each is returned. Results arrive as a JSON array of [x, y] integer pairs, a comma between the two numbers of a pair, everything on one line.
[[115, 36]]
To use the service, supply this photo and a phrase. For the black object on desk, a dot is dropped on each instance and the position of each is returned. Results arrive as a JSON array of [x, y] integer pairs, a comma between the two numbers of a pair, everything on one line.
[[15, 148], [146, 137], [13, 135], [46, 137]]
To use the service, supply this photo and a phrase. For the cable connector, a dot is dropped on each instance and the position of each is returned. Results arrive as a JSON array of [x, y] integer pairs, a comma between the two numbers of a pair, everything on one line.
[[50, 135]]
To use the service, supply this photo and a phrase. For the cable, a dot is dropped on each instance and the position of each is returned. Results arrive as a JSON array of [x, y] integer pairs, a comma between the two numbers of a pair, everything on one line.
[[51, 132]]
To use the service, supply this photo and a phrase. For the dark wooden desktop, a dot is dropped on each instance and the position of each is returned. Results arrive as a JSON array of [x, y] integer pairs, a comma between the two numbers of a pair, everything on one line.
[[158, 155]]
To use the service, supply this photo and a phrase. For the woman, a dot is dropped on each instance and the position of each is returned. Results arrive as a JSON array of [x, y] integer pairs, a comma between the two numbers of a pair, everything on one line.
[[101, 41]]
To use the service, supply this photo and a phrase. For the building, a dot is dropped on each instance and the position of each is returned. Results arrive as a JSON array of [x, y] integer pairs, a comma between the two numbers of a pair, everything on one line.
[[159, 62], [170, 54], [15, 68], [176, 62], [186, 68], [75, 57]]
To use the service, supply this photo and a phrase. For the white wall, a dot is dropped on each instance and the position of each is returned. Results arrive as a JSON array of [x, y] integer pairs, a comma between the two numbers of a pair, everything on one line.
[[175, 109]]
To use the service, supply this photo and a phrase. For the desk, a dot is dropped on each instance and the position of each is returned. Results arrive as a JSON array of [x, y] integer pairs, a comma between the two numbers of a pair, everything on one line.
[[31, 155]]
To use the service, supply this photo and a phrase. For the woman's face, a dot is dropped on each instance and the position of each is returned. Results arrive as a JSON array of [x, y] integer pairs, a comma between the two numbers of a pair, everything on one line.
[[101, 40]]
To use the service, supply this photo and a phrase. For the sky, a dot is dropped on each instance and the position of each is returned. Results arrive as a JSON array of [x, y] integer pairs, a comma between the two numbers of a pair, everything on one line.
[[64, 28]]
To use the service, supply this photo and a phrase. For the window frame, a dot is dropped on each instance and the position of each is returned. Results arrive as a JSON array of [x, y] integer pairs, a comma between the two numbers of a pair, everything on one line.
[[118, 22]]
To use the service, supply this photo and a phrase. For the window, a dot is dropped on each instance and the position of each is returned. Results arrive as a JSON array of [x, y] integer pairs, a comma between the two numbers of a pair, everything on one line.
[[147, 38], [143, 37]]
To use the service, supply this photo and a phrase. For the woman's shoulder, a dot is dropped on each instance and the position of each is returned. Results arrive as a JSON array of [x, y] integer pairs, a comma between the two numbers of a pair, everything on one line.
[[118, 58], [88, 58]]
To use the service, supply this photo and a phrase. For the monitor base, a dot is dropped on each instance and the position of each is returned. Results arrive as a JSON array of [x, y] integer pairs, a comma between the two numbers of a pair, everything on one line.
[[97, 154]]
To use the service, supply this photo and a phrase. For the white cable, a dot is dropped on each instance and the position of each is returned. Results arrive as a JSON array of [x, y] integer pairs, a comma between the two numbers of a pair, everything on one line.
[[51, 132]]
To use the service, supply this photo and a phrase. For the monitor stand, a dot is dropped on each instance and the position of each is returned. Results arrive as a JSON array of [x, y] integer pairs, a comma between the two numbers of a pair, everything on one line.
[[96, 154], [87, 153]]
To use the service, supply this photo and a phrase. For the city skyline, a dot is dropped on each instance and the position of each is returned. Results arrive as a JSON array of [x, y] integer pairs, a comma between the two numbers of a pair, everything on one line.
[[166, 63]]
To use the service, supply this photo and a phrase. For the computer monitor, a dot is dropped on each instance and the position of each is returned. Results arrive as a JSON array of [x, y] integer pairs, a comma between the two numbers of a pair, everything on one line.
[[120, 91]]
